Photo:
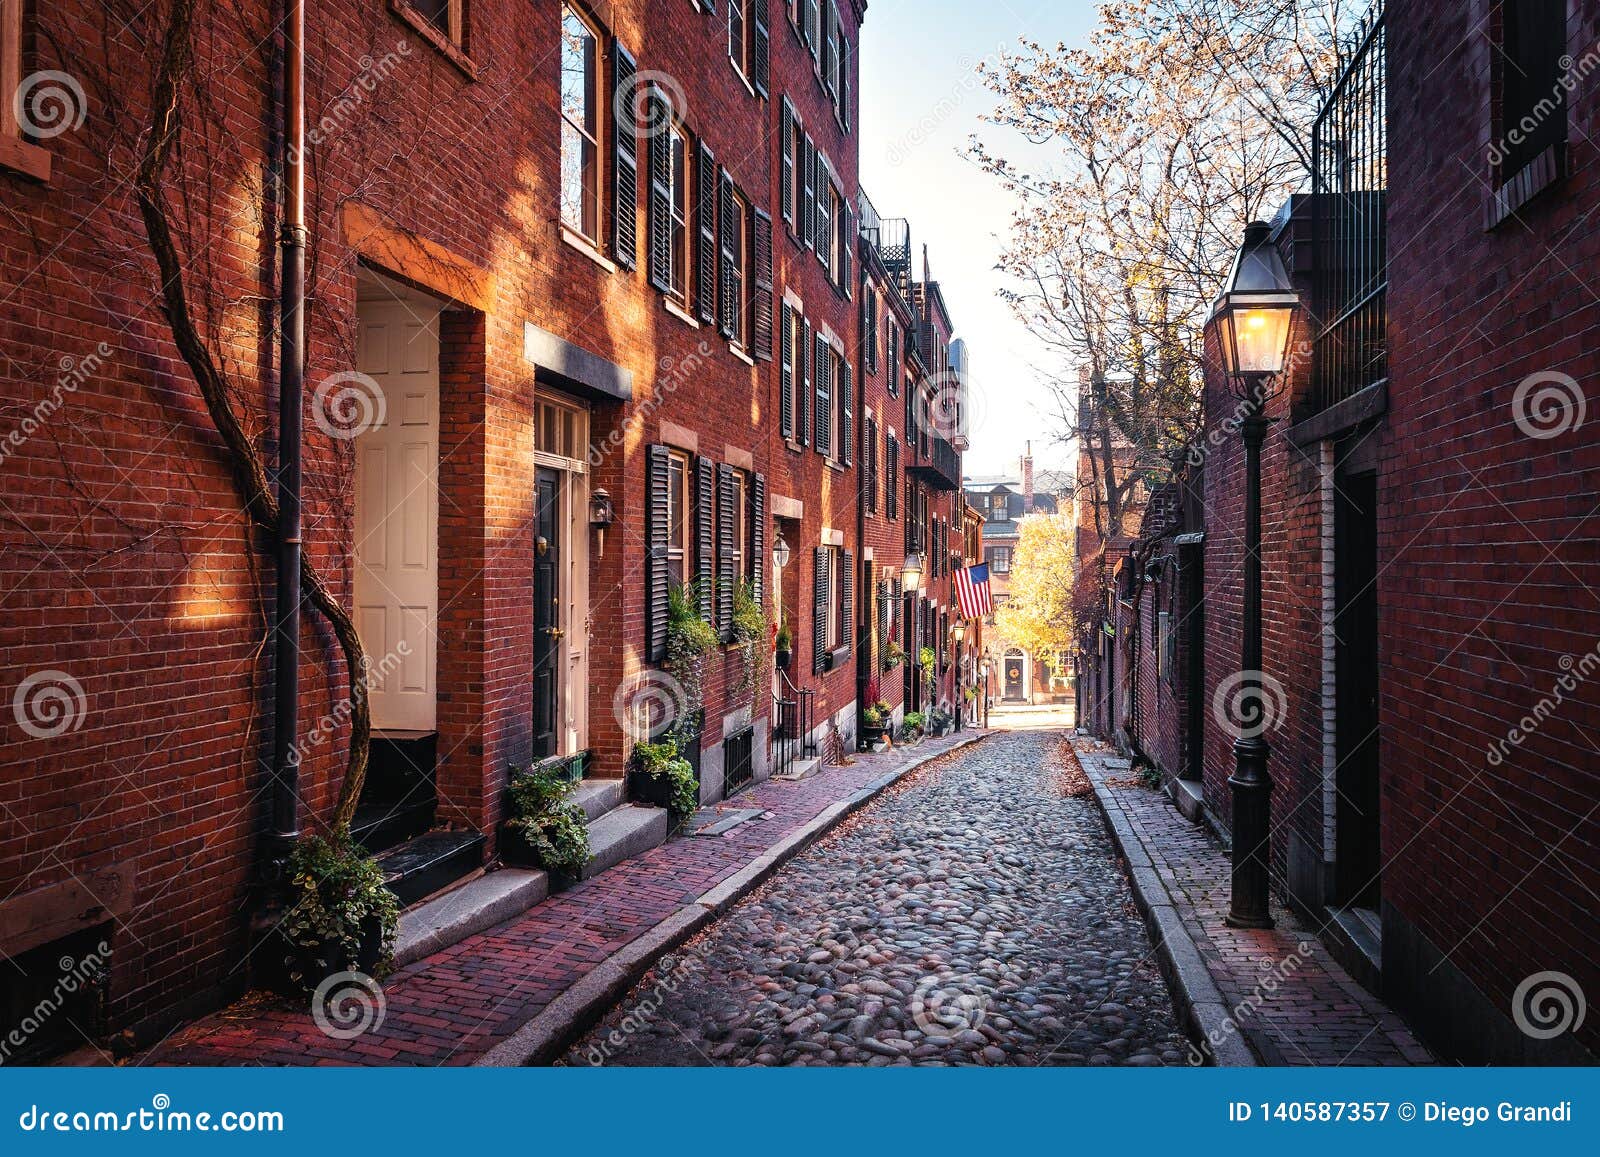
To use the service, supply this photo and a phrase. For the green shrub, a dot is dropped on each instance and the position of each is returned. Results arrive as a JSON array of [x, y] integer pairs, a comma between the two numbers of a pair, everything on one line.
[[663, 760], [913, 722], [555, 832], [338, 904]]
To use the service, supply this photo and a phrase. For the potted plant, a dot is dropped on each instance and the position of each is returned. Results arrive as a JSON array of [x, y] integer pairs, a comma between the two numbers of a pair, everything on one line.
[[659, 775], [893, 655], [750, 633], [911, 728], [341, 916], [871, 726], [783, 647], [543, 830]]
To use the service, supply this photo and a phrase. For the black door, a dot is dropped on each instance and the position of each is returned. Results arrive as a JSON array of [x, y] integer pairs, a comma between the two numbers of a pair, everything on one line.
[[1357, 860], [1013, 688], [546, 611], [908, 630], [1194, 612]]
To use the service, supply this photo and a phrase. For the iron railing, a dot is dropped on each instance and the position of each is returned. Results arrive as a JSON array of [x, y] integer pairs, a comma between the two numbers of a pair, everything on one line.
[[1350, 177], [791, 735]]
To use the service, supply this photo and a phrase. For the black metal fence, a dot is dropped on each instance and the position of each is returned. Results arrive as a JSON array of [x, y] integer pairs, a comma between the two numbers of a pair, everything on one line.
[[1350, 177], [791, 735]]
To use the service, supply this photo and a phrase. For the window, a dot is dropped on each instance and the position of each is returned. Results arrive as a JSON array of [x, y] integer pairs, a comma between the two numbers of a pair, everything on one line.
[[823, 230], [999, 557], [678, 228], [16, 152], [580, 125], [737, 40], [834, 604], [997, 508], [739, 531], [735, 255], [788, 138], [1533, 104], [748, 42], [678, 518], [446, 17], [891, 347]]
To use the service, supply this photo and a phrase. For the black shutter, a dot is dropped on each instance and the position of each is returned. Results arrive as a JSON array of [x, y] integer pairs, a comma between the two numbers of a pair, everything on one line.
[[844, 82], [808, 191], [847, 597], [869, 456], [705, 256], [660, 204], [891, 478], [819, 609], [705, 543], [883, 614], [761, 335], [758, 538], [830, 47], [658, 494], [822, 411], [822, 224], [727, 577], [847, 246], [726, 305], [786, 371], [786, 135], [625, 195], [847, 413], [806, 372], [762, 54]]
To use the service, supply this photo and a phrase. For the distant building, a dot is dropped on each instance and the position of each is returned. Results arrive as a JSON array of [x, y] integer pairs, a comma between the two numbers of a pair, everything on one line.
[[1004, 501]]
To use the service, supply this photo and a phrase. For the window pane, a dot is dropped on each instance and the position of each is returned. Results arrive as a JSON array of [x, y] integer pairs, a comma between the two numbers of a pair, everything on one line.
[[577, 71]]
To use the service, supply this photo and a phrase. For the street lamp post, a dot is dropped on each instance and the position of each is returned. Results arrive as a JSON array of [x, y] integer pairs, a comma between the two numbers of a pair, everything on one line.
[[958, 632], [1254, 315]]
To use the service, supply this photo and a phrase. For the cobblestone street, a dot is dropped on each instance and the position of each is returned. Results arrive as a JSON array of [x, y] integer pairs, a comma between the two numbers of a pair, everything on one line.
[[975, 914]]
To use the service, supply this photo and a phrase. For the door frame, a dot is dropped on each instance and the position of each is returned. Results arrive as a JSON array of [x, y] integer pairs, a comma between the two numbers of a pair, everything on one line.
[[561, 452]]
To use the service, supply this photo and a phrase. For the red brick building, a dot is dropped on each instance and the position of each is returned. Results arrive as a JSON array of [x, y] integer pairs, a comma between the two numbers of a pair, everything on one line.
[[914, 429], [1429, 538], [559, 253]]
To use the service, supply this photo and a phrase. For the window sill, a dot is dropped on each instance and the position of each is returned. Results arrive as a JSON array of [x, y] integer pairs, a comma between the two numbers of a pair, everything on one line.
[[586, 247], [26, 158], [419, 24], [738, 352], [670, 304], [1549, 168], [745, 80]]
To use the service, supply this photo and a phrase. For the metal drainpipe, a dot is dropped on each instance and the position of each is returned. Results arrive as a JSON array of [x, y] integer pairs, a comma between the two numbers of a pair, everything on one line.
[[291, 385]]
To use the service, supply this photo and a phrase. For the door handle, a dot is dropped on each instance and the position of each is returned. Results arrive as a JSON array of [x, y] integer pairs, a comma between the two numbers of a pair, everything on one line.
[[555, 632]]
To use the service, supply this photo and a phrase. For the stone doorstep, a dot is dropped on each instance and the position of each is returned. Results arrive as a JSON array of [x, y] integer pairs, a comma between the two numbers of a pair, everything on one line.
[[598, 796], [1199, 1000], [800, 769], [622, 833], [474, 907], [548, 1034]]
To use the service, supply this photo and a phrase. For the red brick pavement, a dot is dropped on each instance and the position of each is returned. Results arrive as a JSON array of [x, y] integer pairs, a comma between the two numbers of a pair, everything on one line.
[[452, 1007], [1296, 1005]]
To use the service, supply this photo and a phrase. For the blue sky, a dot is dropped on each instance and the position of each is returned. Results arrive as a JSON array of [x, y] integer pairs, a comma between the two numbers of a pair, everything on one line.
[[920, 104]]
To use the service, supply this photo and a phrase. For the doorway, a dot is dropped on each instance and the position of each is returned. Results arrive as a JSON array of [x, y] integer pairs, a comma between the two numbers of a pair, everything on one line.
[[1357, 853], [1015, 677], [547, 618]]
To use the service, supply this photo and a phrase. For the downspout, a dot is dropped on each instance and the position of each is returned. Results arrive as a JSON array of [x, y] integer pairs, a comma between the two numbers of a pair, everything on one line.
[[285, 815]]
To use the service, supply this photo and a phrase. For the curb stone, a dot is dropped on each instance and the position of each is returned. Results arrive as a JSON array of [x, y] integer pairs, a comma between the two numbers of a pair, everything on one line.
[[561, 1022], [1205, 1013]]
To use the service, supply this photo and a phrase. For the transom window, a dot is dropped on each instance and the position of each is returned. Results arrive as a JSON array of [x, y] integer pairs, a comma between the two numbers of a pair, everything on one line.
[[580, 124]]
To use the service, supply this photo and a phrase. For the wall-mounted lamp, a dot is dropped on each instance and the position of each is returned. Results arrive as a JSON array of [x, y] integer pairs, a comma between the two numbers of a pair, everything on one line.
[[780, 552], [911, 574], [601, 514]]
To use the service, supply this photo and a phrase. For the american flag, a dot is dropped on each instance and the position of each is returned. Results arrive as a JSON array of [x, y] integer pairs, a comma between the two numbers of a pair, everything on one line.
[[972, 589]]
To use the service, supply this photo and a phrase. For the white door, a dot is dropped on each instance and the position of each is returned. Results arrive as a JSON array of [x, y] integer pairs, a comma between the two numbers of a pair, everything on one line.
[[397, 514]]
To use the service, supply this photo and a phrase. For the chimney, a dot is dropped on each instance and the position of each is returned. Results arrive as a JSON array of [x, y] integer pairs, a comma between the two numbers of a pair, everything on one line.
[[1027, 478]]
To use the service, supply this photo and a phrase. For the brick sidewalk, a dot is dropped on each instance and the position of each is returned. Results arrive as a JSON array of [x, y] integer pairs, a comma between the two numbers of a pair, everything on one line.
[[454, 1006], [1315, 1013]]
